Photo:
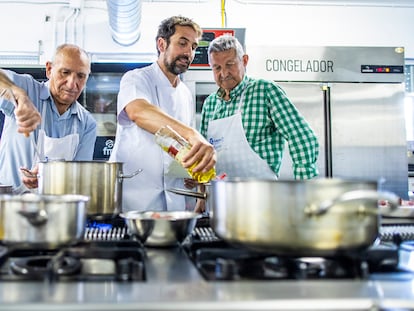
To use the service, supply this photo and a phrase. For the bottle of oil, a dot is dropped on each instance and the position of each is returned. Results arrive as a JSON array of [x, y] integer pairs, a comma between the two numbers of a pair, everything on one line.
[[177, 147]]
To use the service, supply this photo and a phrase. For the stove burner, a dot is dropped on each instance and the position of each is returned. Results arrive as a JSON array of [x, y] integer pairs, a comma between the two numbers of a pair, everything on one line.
[[113, 229], [216, 259], [217, 264], [122, 261], [38, 266]]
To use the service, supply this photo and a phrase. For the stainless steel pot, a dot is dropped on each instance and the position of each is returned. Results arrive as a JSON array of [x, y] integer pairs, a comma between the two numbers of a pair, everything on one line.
[[100, 180], [319, 216], [51, 220]]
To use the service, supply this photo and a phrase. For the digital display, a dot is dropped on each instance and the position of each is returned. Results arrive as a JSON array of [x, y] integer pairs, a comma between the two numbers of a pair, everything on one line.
[[201, 58], [381, 69]]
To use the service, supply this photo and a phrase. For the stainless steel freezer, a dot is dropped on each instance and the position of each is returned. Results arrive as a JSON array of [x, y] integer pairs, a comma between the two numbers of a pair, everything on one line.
[[353, 97]]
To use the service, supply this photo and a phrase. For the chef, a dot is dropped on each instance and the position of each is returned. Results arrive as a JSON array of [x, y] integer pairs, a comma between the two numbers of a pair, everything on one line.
[[150, 98], [249, 120], [67, 130]]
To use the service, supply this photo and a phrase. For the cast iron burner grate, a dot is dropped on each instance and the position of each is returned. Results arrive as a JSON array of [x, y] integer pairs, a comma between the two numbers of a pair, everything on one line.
[[85, 261], [239, 264], [219, 261]]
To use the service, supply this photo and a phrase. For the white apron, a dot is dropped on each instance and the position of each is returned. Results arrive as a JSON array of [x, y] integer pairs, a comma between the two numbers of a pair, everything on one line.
[[235, 157], [63, 148]]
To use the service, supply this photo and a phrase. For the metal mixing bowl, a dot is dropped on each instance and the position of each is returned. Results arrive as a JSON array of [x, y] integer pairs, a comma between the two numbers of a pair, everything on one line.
[[160, 229]]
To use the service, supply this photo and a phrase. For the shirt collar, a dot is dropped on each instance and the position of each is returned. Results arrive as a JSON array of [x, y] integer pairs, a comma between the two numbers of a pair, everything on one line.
[[45, 91], [162, 77]]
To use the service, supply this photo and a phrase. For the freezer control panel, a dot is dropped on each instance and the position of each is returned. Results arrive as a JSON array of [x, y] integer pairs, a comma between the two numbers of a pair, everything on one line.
[[381, 69]]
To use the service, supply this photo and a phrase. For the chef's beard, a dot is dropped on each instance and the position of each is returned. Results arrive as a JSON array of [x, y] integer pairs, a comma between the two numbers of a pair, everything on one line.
[[176, 69]]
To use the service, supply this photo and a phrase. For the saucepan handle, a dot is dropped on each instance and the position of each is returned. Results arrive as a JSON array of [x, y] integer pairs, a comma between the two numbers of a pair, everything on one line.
[[122, 175], [357, 195], [194, 194], [35, 218]]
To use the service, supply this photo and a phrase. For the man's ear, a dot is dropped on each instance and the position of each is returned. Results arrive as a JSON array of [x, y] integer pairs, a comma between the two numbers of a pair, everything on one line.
[[245, 59], [161, 44], [48, 69]]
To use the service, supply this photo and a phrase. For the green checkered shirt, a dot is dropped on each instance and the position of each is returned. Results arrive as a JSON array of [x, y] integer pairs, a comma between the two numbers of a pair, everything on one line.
[[269, 119]]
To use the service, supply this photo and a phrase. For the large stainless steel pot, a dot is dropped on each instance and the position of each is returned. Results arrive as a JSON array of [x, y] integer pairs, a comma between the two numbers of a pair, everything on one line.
[[51, 220], [319, 216], [100, 180]]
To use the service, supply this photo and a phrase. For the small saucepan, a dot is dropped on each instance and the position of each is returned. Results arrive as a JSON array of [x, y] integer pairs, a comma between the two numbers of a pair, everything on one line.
[[42, 220]]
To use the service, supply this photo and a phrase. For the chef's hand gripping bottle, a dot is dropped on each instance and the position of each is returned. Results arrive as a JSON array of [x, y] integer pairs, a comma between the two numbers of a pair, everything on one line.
[[177, 147]]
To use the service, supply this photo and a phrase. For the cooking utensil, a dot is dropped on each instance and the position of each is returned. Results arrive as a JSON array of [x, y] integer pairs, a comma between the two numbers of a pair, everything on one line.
[[36, 148], [190, 193], [160, 229], [34, 219], [320, 216], [100, 180], [196, 194]]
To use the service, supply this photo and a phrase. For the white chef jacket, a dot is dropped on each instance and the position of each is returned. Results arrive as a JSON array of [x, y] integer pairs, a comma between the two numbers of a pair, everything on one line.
[[136, 148]]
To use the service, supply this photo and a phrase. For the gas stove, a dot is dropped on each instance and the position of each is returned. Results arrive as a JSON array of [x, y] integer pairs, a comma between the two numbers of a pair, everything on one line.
[[118, 272], [109, 253]]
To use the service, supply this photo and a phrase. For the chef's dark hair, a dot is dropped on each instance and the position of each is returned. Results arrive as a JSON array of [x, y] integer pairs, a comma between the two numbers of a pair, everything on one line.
[[167, 28], [224, 43]]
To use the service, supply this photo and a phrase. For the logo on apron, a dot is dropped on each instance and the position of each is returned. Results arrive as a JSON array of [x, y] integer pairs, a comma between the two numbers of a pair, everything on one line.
[[217, 142]]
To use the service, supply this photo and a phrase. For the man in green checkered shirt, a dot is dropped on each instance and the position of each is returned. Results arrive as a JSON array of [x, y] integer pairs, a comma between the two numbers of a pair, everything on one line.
[[249, 120]]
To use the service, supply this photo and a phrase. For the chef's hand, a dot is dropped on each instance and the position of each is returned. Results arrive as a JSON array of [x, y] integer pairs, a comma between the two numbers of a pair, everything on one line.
[[27, 116], [190, 183], [200, 206], [201, 151], [29, 177]]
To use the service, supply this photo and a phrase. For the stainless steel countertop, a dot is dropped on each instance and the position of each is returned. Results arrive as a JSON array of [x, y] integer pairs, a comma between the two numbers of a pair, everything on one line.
[[173, 283]]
